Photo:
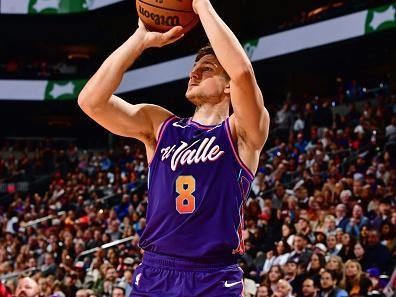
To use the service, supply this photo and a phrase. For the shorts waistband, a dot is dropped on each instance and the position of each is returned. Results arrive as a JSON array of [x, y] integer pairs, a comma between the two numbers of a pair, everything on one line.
[[180, 264]]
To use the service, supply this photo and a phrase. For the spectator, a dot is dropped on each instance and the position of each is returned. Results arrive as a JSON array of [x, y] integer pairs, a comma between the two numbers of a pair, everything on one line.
[[82, 293], [291, 274], [390, 130], [110, 281], [356, 222], [336, 266], [300, 253], [348, 243], [118, 291], [388, 236], [283, 289], [278, 256], [360, 255], [378, 255], [6, 292], [27, 287], [341, 218], [49, 267], [273, 276], [309, 288], [332, 247], [354, 281], [384, 213], [328, 286], [263, 291], [315, 265]]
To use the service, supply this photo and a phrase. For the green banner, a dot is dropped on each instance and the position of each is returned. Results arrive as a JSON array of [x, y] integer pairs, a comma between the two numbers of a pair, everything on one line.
[[381, 18], [63, 89], [57, 6], [250, 46], [52, 6]]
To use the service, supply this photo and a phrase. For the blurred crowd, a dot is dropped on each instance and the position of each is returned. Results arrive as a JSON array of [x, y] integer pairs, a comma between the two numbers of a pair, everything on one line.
[[320, 219], [327, 9]]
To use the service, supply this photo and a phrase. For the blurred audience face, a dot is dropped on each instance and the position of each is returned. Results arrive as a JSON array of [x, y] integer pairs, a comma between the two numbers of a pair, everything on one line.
[[118, 292], [299, 243], [274, 274], [82, 293], [27, 287], [315, 262], [352, 269], [43, 285], [346, 238], [128, 276], [308, 288], [334, 263], [280, 248], [291, 268], [285, 231], [111, 274], [331, 242], [358, 250], [357, 211], [32, 263], [372, 238], [326, 281], [283, 288], [262, 291]]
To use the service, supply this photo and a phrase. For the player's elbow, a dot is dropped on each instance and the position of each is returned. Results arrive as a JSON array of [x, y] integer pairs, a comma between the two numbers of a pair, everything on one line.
[[86, 103], [243, 73], [83, 101]]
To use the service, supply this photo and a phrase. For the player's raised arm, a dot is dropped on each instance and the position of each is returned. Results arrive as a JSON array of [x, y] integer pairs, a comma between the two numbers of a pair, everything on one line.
[[250, 117], [116, 115]]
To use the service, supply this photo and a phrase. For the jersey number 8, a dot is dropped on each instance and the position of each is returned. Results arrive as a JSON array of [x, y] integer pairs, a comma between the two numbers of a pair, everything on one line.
[[185, 187]]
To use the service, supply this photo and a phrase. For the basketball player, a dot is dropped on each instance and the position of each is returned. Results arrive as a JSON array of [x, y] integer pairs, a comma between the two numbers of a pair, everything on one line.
[[200, 168]]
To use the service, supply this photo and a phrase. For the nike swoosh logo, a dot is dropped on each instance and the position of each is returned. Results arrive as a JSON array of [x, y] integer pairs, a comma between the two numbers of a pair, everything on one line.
[[178, 125], [228, 285]]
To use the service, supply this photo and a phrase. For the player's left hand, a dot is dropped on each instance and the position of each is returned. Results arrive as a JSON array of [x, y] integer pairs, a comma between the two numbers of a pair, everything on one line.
[[156, 39]]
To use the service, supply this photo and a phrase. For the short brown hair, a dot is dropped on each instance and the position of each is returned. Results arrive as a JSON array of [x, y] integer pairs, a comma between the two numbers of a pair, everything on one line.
[[208, 50], [203, 51]]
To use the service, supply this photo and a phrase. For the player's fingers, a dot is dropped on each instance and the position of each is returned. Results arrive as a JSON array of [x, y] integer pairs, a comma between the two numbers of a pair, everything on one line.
[[174, 39], [174, 32]]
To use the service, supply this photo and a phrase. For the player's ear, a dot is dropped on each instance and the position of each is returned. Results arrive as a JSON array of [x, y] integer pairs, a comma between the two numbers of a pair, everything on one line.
[[227, 89]]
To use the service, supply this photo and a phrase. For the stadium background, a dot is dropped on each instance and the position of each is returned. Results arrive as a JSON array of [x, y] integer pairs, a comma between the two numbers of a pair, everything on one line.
[[50, 150]]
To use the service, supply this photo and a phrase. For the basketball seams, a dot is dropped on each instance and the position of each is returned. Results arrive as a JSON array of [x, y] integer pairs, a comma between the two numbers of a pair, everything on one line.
[[165, 8]]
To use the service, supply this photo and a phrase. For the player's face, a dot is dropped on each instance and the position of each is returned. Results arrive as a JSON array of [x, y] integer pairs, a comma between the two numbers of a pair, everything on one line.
[[208, 82]]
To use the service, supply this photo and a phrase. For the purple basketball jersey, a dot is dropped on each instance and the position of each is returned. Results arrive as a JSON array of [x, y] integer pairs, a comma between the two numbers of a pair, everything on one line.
[[196, 190]]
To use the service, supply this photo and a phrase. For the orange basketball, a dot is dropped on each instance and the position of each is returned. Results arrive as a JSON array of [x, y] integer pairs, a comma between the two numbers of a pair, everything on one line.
[[162, 15]]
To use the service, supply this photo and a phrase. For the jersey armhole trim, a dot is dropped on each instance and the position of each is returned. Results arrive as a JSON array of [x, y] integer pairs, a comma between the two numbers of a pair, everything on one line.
[[228, 130], [161, 133]]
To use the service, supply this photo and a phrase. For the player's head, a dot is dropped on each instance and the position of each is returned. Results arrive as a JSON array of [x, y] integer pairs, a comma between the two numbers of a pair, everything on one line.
[[208, 80]]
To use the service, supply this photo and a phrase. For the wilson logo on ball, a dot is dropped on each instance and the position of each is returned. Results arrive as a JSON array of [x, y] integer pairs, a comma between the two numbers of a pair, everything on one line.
[[160, 19], [163, 15]]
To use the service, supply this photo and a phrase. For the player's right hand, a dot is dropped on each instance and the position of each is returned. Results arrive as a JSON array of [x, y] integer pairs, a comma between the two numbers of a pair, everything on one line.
[[156, 39]]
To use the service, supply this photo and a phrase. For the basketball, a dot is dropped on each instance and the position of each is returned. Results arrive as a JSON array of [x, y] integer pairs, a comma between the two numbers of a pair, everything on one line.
[[162, 15]]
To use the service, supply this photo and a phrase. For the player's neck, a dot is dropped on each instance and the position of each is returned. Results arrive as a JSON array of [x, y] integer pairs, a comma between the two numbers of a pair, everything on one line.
[[211, 114]]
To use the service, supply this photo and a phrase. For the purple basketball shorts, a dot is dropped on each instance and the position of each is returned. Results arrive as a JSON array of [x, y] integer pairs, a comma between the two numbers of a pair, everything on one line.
[[163, 276]]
